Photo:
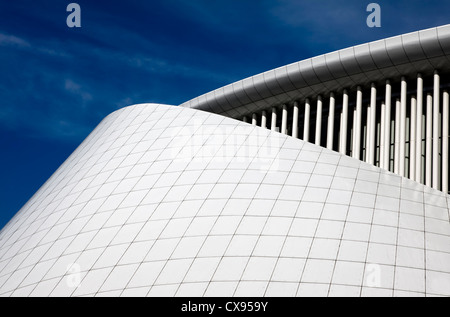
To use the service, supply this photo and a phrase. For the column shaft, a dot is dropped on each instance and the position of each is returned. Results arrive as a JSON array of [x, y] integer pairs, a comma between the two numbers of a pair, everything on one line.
[[273, 125], [330, 128], [397, 138], [357, 139], [445, 131], [412, 139], [319, 121], [367, 136], [284, 120], [419, 136], [354, 133], [436, 103], [264, 120], [344, 125], [295, 121], [255, 119], [373, 124], [429, 142], [340, 133], [403, 101], [307, 121], [382, 137], [387, 125]]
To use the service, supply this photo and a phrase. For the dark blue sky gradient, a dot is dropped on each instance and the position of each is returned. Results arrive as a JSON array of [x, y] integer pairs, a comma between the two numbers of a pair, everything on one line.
[[57, 83]]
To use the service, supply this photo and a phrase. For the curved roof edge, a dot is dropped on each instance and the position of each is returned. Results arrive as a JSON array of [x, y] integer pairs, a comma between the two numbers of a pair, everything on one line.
[[404, 55]]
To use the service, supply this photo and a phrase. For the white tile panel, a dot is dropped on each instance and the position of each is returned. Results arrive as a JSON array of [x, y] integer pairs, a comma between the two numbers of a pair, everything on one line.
[[288, 219]]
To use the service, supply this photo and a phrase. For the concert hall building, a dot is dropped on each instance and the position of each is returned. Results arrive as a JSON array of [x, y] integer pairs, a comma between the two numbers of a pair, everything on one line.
[[326, 177]]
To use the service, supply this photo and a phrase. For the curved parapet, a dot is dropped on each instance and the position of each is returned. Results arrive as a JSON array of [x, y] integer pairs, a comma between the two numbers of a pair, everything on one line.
[[170, 201], [404, 55]]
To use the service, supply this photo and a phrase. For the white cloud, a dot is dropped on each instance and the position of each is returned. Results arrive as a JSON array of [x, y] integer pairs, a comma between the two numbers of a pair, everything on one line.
[[11, 40], [76, 89]]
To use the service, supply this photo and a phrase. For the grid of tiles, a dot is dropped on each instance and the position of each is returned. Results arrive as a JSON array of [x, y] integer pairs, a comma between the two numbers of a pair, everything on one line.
[[171, 201]]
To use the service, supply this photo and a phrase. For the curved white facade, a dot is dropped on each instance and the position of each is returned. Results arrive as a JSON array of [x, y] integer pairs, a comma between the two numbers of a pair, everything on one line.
[[188, 201], [384, 102], [170, 201]]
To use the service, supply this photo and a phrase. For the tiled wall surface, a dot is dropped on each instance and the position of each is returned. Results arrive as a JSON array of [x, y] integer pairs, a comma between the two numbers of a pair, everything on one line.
[[171, 201]]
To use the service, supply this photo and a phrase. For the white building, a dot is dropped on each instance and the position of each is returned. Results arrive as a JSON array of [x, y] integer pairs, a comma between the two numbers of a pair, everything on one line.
[[188, 201]]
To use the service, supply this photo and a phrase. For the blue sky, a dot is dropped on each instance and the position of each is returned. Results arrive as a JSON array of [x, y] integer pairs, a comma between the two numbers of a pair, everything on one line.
[[57, 83]]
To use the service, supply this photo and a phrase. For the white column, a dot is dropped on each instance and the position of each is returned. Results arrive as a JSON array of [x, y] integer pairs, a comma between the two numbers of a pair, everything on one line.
[[382, 133], [264, 120], [255, 119], [397, 137], [340, 133], [344, 125], [284, 120], [440, 149], [357, 150], [273, 126], [319, 120], [392, 146], [378, 145], [436, 103], [419, 129], [445, 131], [330, 128], [429, 142], [307, 120], [387, 125], [373, 123], [245, 119], [412, 139], [367, 136], [354, 133], [403, 101], [295, 121]]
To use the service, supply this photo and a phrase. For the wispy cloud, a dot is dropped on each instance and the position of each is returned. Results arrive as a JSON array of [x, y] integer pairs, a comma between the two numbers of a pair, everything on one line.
[[68, 87], [55, 79], [76, 89], [11, 40]]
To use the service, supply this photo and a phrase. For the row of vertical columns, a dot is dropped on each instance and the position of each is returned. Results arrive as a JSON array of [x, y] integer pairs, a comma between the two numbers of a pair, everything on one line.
[[410, 140]]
